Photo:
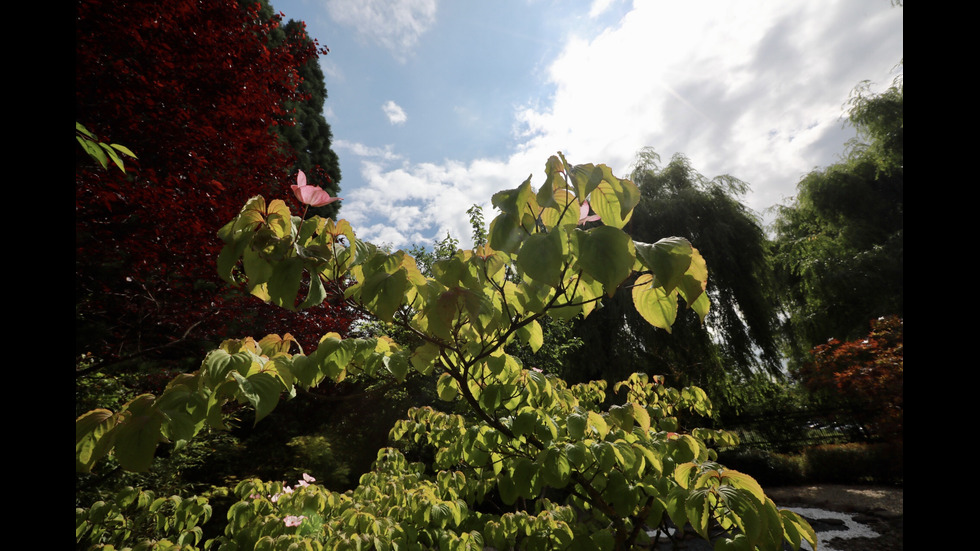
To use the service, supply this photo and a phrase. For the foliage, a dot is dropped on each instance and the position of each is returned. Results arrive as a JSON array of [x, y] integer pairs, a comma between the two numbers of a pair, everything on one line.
[[676, 200], [866, 374], [839, 247], [769, 468], [133, 514], [854, 463], [532, 462], [195, 88], [99, 151]]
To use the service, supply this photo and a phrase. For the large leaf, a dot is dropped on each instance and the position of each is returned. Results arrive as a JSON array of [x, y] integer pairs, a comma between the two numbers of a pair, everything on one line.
[[653, 304], [137, 435], [285, 281], [606, 254], [668, 259], [91, 441], [541, 257], [261, 390], [607, 204]]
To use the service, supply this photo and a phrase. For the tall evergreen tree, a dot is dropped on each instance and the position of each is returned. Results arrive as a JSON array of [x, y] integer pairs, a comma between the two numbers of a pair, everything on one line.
[[741, 333], [309, 136]]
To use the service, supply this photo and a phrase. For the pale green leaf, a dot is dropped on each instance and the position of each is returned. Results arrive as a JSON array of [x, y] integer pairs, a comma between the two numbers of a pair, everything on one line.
[[656, 307]]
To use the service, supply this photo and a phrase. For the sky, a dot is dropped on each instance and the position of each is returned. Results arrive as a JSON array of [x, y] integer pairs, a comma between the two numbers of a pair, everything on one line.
[[435, 105]]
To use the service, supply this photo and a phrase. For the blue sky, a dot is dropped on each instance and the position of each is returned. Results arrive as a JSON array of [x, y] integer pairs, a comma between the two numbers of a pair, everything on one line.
[[435, 104]]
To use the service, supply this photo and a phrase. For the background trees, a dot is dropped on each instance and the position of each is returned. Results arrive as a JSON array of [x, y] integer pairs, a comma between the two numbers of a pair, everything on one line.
[[839, 245], [197, 90], [678, 201]]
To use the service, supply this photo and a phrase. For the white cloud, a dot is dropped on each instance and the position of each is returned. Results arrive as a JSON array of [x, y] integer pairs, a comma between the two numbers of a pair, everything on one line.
[[394, 112], [384, 153], [747, 89], [754, 90], [599, 6], [396, 25]]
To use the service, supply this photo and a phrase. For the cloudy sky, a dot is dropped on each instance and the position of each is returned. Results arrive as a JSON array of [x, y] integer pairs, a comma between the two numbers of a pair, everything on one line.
[[435, 105]]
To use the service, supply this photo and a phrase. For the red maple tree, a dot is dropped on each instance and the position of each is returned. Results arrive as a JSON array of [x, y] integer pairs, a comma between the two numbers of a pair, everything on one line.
[[194, 88], [867, 373]]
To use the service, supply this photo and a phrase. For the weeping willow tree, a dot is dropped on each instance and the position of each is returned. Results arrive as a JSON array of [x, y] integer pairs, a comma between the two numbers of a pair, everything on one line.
[[741, 340]]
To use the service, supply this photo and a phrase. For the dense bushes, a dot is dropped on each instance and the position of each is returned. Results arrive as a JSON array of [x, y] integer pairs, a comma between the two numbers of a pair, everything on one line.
[[852, 463]]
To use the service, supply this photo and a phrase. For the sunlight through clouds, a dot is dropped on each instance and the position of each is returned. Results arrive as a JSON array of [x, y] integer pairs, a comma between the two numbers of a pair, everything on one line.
[[754, 90]]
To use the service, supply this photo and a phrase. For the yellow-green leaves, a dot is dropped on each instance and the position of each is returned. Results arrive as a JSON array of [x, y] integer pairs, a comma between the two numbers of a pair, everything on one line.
[[100, 151], [529, 431], [675, 268]]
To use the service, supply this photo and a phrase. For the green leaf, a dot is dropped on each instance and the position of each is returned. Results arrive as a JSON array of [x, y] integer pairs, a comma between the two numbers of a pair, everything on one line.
[[556, 468], [541, 257], [446, 388], [795, 529], [576, 424], [424, 357], [532, 334], [285, 281], [669, 259], [605, 253], [91, 441], [186, 411], [585, 178], [397, 364], [125, 150], [262, 390], [316, 295], [137, 435], [507, 487], [606, 202], [384, 292], [659, 309]]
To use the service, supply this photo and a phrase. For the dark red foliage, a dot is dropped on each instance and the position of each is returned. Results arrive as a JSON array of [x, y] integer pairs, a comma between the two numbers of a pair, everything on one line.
[[868, 372], [194, 89]]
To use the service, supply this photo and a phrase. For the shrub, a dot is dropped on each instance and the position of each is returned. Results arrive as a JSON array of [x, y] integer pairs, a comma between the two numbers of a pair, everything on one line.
[[769, 468], [516, 458], [854, 463]]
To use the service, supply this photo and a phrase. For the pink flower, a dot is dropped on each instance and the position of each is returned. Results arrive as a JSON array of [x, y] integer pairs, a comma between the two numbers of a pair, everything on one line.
[[311, 195], [583, 214], [306, 480], [292, 520]]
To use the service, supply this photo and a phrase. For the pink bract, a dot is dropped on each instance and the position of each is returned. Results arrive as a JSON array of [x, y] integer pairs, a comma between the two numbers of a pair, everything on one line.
[[311, 195], [583, 214]]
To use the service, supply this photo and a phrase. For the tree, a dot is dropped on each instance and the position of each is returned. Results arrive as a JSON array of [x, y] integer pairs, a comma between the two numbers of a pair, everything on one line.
[[195, 89], [866, 375], [838, 247], [677, 200], [532, 463], [308, 134]]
